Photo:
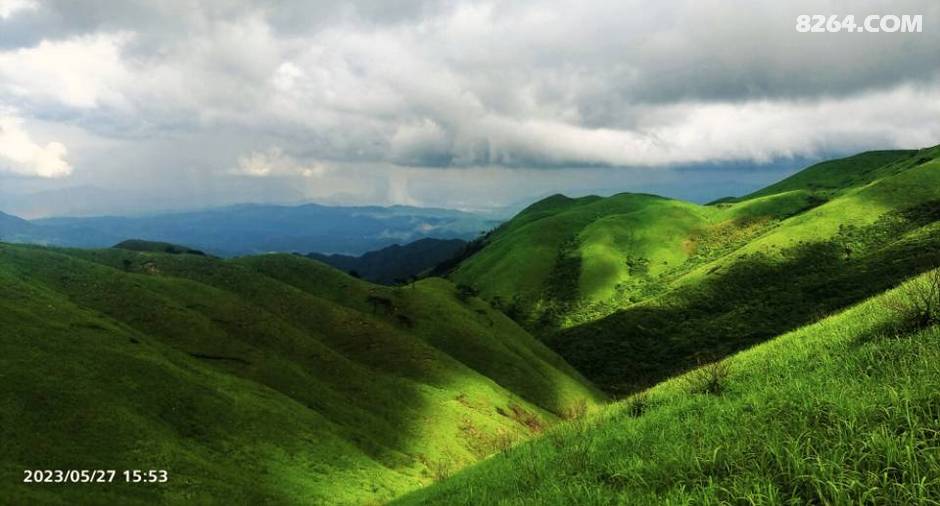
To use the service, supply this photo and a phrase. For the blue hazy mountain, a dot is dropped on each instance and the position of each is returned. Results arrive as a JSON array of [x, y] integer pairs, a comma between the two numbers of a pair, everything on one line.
[[252, 229]]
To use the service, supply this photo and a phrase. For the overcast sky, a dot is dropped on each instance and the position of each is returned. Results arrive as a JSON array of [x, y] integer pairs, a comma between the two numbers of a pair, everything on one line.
[[466, 104]]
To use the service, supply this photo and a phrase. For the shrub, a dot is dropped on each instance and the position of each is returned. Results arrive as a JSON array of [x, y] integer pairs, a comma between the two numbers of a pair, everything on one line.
[[710, 379], [916, 304], [638, 405], [441, 469], [576, 411], [464, 292]]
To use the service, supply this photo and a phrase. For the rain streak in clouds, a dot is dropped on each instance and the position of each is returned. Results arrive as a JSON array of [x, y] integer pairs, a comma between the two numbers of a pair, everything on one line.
[[406, 101]]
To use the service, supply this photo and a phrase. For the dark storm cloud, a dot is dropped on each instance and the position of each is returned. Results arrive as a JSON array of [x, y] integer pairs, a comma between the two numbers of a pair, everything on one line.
[[311, 90]]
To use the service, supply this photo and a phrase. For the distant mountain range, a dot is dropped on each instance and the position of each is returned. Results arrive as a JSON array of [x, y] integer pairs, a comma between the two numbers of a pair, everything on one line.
[[396, 263], [282, 380], [253, 229]]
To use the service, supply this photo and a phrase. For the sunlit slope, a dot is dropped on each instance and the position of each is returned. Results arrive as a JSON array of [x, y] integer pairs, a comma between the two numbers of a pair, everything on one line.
[[248, 388], [632, 289], [914, 183], [758, 278], [835, 176], [565, 261], [845, 411], [520, 256]]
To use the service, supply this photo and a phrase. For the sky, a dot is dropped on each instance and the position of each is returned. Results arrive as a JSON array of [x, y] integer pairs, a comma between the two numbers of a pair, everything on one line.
[[118, 107]]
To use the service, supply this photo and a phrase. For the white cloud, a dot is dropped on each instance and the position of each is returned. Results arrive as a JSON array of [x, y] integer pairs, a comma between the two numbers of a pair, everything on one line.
[[82, 72], [10, 7], [274, 162], [20, 155], [458, 83]]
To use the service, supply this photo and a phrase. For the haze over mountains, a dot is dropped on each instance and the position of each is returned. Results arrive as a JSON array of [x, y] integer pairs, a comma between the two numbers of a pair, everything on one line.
[[252, 229], [280, 379]]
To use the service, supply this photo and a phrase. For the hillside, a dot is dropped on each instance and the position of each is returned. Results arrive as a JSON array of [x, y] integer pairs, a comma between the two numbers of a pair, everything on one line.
[[632, 289], [156, 247], [270, 379], [845, 411], [12, 227], [395, 263]]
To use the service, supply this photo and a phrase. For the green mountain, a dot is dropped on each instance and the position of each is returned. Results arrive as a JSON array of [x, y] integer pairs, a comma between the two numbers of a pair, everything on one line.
[[156, 247], [396, 263], [844, 411], [271, 379], [277, 379], [632, 289]]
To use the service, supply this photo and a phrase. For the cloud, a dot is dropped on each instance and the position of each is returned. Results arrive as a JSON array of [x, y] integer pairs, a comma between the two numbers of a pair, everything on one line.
[[82, 72], [458, 84], [10, 7], [20, 155], [274, 162]]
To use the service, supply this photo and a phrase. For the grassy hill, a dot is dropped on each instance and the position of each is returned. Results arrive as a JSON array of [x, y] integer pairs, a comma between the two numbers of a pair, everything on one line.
[[396, 263], [844, 411], [270, 379], [632, 289], [276, 379], [156, 247]]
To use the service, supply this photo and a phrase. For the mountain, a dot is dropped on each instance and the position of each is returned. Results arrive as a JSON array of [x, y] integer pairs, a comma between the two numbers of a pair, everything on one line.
[[843, 411], [12, 227], [633, 288], [279, 379], [396, 263], [269, 379], [253, 229], [156, 247]]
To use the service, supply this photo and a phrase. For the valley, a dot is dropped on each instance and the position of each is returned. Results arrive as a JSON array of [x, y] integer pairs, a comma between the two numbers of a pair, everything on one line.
[[275, 378]]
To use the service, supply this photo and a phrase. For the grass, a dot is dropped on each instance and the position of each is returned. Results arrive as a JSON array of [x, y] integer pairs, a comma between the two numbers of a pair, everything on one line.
[[276, 379], [632, 289], [252, 389], [521, 259], [838, 412]]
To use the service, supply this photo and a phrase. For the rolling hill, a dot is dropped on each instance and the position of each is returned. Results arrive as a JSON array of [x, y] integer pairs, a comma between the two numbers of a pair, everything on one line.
[[396, 263], [634, 288], [277, 379], [844, 411], [271, 379]]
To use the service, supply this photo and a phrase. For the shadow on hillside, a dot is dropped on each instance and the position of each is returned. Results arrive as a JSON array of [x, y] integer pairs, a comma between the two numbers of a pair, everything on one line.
[[756, 299], [241, 323]]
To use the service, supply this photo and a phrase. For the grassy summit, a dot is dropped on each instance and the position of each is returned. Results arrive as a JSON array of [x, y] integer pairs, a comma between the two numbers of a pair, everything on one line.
[[270, 379], [632, 289], [844, 411]]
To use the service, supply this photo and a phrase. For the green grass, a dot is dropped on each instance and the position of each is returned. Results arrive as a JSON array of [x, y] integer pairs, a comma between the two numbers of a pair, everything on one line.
[[633, 288], [521, 259], [276, 379], [844, 411], [249, 388], [835, 176]]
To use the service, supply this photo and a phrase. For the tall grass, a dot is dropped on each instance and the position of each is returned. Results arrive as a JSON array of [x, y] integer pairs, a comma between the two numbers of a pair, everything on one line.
[[834, 413]]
